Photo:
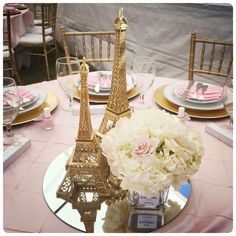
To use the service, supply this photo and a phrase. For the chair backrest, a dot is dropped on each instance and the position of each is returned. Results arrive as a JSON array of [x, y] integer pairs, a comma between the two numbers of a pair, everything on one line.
[[7, 35], [89, 45], [35, 8], [48, 16], [214, 57]]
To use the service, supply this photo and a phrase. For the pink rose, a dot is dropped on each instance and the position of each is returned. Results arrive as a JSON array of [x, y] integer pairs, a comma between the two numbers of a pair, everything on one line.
[[144, 146]]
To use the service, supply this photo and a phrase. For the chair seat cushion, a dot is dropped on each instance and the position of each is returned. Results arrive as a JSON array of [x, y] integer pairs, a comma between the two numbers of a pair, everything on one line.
[[34, 39], [6, 53], [38, 30], [37, 22]]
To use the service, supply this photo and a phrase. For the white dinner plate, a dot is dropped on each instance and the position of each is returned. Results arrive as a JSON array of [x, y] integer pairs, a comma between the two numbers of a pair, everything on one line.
[[171, 97], [42, 95], [195, 100]]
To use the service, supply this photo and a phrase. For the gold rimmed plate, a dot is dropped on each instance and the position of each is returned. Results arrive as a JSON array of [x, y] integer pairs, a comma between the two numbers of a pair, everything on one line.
[[160, 99], [104, 99], [51, 102]]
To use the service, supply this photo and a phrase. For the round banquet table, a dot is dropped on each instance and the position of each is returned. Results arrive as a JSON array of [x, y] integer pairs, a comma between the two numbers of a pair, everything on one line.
[[210, 207], [20, 24]]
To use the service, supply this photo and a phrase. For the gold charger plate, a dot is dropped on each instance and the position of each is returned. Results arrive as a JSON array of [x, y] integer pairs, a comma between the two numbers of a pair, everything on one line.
[[50, 102], [104, 99], [160, 99]]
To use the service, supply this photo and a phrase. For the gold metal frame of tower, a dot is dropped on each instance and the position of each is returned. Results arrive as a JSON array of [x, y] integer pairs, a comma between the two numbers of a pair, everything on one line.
[[118, 104], [87, 169]]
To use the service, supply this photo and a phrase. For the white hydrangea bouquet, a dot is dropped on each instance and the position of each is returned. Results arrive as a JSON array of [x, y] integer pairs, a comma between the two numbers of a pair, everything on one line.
[[151, 151]]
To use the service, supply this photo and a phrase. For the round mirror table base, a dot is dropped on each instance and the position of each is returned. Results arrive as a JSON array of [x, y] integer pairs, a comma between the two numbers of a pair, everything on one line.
[[54, 175]]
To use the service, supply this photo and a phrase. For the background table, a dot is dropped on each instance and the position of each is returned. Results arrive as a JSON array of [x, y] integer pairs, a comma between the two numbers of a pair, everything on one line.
[[210, 207], [20, 24]]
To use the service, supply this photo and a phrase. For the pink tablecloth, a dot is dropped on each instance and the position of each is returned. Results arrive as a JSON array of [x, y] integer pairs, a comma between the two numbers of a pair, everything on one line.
[[20, 24], [209, 208]]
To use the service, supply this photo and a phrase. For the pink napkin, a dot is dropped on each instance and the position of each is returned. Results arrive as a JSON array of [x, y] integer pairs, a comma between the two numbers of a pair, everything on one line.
[[213, 92], [104, 81], [25, 94], [9, 99]]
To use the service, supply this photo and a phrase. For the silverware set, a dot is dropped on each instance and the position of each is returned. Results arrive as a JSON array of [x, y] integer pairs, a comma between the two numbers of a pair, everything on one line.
[[196, 95]]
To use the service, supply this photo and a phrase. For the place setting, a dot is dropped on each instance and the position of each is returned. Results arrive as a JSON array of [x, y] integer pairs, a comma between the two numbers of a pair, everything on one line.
[[201, 99], [32, 100], [99, 85]]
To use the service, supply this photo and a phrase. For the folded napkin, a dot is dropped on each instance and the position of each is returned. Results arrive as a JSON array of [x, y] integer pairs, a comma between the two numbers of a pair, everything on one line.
[[9, 100], [213, 92], [26, 96], [25, 93], [103, 80]]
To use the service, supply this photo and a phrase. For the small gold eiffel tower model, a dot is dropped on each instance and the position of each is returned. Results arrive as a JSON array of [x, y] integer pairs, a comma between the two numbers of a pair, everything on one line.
[[85, 183], [118, 104]]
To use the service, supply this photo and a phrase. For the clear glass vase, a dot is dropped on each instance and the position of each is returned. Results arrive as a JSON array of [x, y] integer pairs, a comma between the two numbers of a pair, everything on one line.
[[146, 214]]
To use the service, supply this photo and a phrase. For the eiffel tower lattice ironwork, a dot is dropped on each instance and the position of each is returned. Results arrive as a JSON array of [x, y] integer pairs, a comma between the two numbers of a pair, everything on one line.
[[85, 182], [118, 104]]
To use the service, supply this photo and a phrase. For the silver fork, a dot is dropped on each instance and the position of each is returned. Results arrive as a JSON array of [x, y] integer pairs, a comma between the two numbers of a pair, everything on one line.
[[204, 89], [196, 95], [186, 92]]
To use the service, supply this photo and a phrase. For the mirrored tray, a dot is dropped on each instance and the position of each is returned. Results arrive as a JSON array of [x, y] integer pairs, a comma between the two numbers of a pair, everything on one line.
[[63, 210]]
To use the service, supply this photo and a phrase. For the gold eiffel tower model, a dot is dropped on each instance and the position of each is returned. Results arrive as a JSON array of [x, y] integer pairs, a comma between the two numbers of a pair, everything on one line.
[[85, 182], [118, 104]]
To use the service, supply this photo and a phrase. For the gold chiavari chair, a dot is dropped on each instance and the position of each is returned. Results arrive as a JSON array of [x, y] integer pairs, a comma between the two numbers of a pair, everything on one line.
[[94, 46], [35, 8], [218, 63], [9, 64], [43, 37]]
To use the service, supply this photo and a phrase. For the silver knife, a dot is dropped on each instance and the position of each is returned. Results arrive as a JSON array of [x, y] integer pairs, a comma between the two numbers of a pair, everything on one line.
[[186, 92]]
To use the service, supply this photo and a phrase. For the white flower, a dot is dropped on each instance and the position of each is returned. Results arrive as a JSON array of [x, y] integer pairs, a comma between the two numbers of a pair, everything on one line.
[[116, 217], [151, 151]]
